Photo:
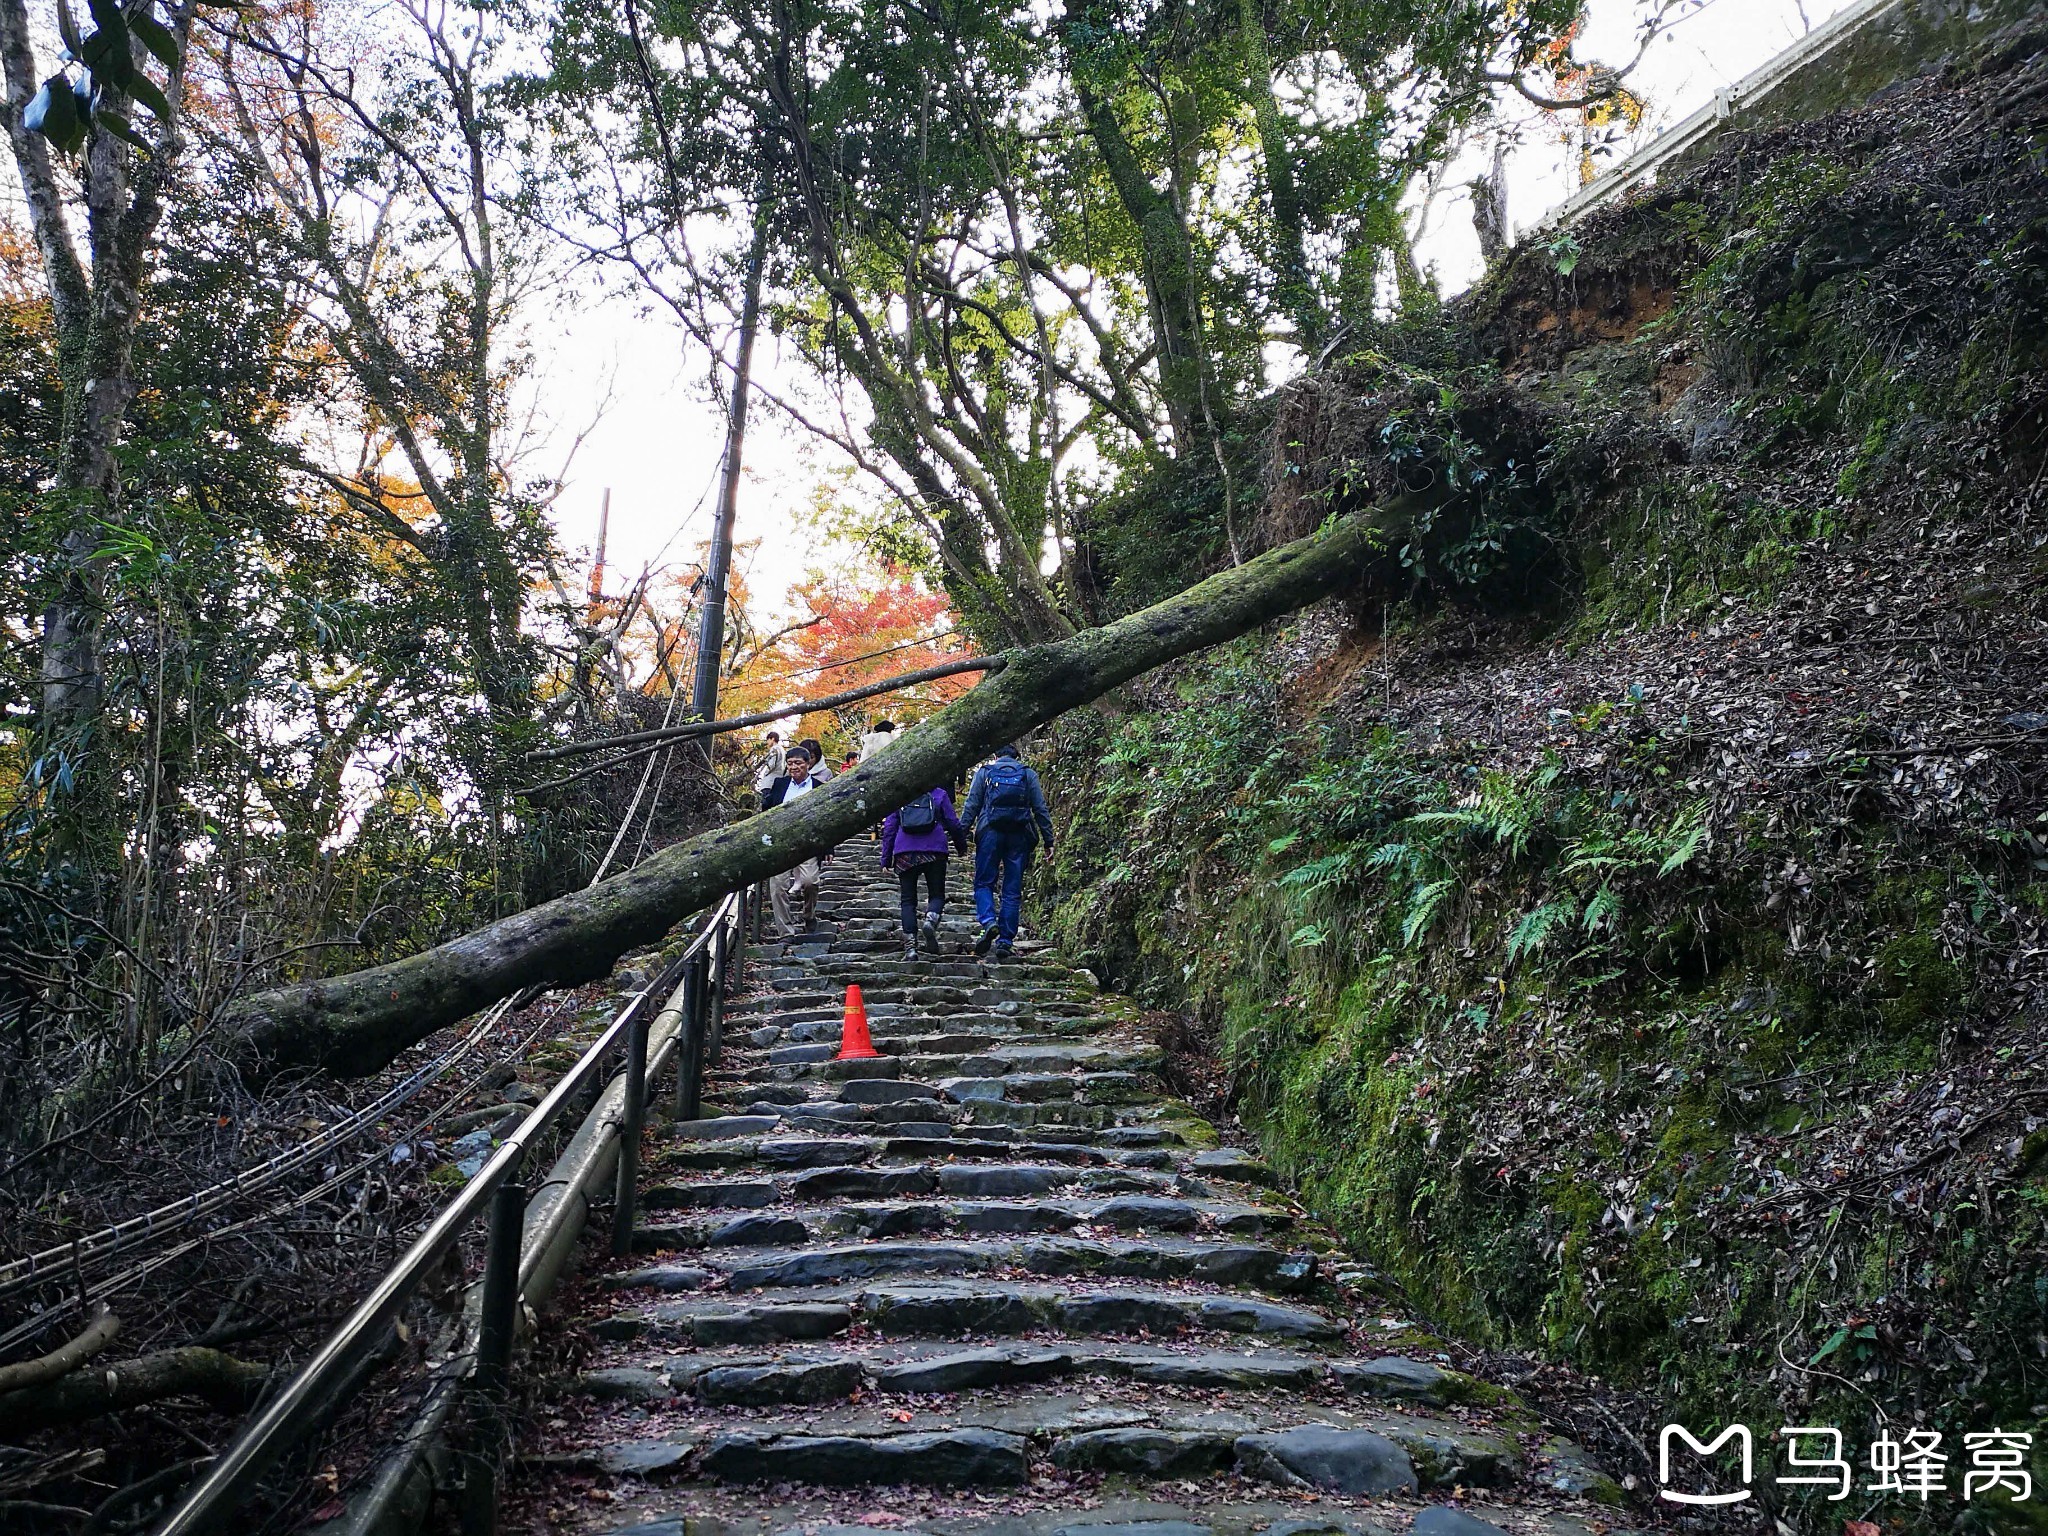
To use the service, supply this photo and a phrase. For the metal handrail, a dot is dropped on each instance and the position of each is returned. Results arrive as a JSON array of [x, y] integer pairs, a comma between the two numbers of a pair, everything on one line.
[[274, 1429], [63, 1258]]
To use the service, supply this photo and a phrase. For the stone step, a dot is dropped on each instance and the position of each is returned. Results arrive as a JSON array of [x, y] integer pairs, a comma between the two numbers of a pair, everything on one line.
[[952, 1308], [789, 1224], [884, 1183], [749, 1377], [1280, 1515], [999, 1258], [994, 1439], [793, 1150], [748, 1147], [932, 999], [1217, 1260]]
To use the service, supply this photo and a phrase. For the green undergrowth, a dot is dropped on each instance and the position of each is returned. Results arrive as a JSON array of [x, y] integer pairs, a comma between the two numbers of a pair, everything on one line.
[[1545, 1050]]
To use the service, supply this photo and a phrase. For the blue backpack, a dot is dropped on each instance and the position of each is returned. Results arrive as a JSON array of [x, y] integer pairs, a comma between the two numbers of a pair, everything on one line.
[[1006, 800]]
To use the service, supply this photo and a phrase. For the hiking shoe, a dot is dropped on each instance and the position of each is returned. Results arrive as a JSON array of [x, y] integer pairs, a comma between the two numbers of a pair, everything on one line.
[[910, 951], [930, 934], [985, 938], [1003, 954]]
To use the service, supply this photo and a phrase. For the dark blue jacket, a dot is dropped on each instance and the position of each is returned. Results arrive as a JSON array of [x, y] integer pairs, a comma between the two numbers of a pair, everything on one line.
[[977, 796]]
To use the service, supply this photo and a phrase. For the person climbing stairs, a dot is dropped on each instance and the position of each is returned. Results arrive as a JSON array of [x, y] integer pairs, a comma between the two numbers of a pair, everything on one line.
[[997, 1279]]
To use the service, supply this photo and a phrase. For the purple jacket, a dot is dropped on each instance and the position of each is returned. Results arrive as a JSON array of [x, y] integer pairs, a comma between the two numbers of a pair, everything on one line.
[[947, 829]]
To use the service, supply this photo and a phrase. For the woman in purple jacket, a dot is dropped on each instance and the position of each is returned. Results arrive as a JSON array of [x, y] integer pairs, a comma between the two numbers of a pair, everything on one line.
[[914, 842]]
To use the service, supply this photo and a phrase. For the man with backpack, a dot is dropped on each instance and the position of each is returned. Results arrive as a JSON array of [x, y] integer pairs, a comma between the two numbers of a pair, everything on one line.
[[914, 842], [1006, 810]]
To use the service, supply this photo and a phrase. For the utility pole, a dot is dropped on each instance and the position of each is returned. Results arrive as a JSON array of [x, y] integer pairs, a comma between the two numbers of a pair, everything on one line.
[[711, 626]]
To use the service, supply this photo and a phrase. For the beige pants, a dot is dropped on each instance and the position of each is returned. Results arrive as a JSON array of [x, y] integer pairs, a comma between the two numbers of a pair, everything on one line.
[[801, 884]]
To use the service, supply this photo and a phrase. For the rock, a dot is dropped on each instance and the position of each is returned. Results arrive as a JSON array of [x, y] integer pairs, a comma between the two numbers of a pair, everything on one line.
[[1565, 1466], [990, 1219], [766, 1325], [1394, 1376], [1230, 1163], [887, 1220], [821, 1381], [1122, 1312], [954, 1458], [664, 1277], [826, 1266], [759, 1232], [1452, 1457], [826, 1110], [917, 1310], [808, 1152], [1139, 1136], [643, 1458], [1156, 1214], [766, 1035], [885, 1090], [730, 1195], [521, 1093], [1038, 1087], [1350, 1461], [971, 1090], [873, 1066], [863, 1183], [725, 1127], [1002, 1182], [972, 1369], [925, 1130], [1250, 1374], [1238, 1314], [1141, 1452], [1135, 1528], [797, 1055], [625, 1384], [1442, 1520]]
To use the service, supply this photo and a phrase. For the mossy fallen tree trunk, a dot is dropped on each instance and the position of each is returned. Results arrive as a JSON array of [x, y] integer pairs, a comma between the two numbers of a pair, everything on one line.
[[349, 1025]]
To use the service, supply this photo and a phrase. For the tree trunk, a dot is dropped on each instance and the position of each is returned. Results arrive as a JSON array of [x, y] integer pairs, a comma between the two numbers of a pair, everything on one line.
[[1167, 261], [351, 1025], [1490, 206], [220, 1380], [1290, 250]]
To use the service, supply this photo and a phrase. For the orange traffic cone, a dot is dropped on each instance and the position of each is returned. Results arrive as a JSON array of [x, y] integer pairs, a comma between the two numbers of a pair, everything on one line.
[[854, 1043]]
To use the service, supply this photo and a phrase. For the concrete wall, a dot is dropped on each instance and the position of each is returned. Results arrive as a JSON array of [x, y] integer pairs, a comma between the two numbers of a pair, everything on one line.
[[1848, 59]]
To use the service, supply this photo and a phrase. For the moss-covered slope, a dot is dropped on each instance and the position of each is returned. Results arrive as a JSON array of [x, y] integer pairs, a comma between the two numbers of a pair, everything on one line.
[[1628, 918]]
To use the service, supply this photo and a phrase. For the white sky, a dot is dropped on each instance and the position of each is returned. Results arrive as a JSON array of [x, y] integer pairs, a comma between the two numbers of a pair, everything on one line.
[[658, 444]]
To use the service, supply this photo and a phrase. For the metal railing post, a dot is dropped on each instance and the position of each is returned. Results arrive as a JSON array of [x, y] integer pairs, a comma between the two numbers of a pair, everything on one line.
[[736, 951], [714, 1025], [690, 1048], [497, 1326], [633, 1116]]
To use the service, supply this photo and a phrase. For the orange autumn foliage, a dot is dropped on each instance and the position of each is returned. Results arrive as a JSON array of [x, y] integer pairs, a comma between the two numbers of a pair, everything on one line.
[[860, 629]]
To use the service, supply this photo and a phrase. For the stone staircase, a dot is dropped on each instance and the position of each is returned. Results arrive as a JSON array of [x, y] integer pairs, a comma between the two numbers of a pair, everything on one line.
[[997, 1281]]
